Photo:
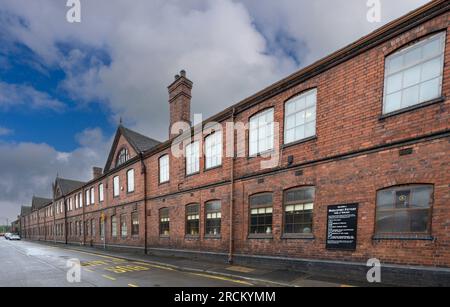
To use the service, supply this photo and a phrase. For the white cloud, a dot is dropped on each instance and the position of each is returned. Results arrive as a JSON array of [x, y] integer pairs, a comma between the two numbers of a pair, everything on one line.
[[5, 131], [18, 95], [29, 169]]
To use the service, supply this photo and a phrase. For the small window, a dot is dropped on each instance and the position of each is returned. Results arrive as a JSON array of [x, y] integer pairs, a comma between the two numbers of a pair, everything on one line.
[[164, 222], [77, 205], [261, 134], [213, 150], [404, 210], [261, 214], [193, 220], [123, 226], [130, 181], [414, 74], [101, 224], [298, 210], [116, 186], [122, 157], [101, 196], [88, 226], [80, 200], [114, 226], [164, 170], [134, 224], [300, 117], [192, 158], [213, 218], [92, 196]]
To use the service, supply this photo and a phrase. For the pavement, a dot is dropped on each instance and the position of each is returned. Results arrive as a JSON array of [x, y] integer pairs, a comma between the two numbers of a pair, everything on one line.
[[31, 264]]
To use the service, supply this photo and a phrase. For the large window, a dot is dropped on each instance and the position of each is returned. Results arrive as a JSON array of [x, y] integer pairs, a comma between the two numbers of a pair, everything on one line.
[[213, 150], [300, 117], [92, 196], [193, 220], [261, 135], [298, 210], [261, 214], [164, 170], [114, 226], [213, 218], [122, 157], [404, 210], [414, 74], [123, 226], [134, 224], [164, 222], [88, 197], [116, 186], [192, 158], [130, 181], [101, 196]]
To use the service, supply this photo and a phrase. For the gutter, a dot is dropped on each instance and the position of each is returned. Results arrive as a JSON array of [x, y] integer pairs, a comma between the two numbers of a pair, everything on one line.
[[144, 173], [231, 243]]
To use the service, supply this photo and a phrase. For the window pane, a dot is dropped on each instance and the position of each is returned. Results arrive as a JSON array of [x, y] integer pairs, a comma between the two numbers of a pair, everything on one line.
[[130, 180], [261, 132], [409, 70], [300, 122]]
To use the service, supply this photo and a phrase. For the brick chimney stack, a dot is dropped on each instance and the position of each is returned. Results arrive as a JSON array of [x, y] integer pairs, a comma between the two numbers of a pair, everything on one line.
[[97, 172], [180, 101]]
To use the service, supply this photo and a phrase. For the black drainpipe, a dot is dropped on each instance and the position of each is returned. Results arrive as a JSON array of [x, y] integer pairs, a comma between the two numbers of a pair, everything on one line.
[[144, 173], [231, 243]]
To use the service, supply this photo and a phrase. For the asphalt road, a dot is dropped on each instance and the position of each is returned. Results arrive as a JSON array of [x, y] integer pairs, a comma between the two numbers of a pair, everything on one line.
[[28, 264]]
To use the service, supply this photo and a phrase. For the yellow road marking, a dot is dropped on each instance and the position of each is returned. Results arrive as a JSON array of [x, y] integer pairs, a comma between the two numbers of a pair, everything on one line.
[[126, 268], [133, 286], [223, 278], [108, 277], [89, 270], [155, 266]]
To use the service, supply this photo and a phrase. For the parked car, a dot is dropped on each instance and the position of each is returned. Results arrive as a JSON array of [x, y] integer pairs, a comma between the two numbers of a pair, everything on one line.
[[7, 235], [14, 237], [2, 234]]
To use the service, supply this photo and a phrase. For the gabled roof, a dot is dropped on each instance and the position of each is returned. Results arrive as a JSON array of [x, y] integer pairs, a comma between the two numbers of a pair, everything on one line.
[[139, 142], [39, 202], [67, 186], [24, 210]]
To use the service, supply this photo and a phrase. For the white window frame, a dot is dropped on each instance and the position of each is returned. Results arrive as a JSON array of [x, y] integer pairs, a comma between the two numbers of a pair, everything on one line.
[[130, 180], [213, 150], [116, 186], [101, 195], [261, 132], [87, 193], [405, 74], [92, 199], [80, 197], [164, 169], [193, 158], [300, 117]]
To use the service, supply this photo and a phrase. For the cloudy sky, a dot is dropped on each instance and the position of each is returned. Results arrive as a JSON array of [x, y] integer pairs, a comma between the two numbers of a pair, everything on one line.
[[64, 86]]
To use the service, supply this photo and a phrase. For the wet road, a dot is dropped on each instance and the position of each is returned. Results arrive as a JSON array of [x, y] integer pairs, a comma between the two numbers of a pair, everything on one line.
[[28, 264]]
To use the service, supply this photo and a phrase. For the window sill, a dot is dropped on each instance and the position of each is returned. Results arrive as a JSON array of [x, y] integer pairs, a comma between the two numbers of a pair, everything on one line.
[[306, 140], [164, 236], [212, 168], [260, 236], [192, 237], [264, 154], [164, 183], [412, 108], [297, 236], [407, 237], [213, 237], [191, 175]]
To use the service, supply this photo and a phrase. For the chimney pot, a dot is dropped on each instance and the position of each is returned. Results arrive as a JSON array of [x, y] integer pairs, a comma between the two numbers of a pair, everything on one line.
[[183, 73], [177, 77]]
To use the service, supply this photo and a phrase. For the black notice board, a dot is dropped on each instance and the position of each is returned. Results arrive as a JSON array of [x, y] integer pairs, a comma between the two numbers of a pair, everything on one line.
[[342, 225]]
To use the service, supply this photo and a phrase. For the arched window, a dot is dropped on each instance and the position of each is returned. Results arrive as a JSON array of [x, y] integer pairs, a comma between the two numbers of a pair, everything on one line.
[[261, 214], [122, 157], [413, 75], [298, 210], [404, 210]]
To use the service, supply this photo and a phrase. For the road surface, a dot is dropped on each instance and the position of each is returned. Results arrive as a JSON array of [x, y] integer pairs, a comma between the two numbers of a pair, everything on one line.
[[29, 264]]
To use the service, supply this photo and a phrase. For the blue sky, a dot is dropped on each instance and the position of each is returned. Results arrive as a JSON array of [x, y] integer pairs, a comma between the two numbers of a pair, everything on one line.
[[64, 86]]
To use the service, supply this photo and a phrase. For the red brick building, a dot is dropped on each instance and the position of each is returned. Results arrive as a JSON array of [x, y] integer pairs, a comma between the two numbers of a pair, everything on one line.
[[367, 125]]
